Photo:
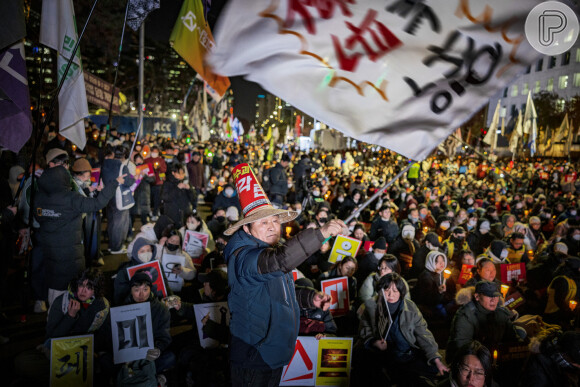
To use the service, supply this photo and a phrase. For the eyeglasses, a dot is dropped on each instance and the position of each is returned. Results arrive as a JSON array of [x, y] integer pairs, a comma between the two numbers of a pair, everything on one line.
[[465, 371]]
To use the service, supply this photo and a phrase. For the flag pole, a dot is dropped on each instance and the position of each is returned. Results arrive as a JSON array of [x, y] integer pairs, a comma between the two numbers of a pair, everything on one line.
[[379, 192], [484, 156], [110, 120]]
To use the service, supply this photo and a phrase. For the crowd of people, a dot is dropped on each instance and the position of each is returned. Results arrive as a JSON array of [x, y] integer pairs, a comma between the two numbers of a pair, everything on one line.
[[430, 297]]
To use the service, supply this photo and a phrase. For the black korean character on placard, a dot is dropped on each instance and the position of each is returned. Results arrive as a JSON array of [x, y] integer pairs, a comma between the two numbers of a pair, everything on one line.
[[67, 367], [136, 327], [418, 11]]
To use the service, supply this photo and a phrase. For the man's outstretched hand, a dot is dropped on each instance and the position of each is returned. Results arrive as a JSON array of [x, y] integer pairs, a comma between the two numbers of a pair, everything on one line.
[[332, 228]]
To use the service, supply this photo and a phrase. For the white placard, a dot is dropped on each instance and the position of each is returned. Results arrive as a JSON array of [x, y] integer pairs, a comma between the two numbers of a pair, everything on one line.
[[132, 332], [218, 312], [301, 371], [168, 262]]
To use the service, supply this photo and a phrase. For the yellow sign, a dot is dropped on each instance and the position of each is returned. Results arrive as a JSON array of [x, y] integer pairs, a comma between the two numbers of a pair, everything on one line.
[[344, 247], [71, 361], [334, 359]]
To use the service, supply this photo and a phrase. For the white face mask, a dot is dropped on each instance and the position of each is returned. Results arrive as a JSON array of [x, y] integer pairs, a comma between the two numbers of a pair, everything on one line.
[[408, 233], [472, 223], [146, 257], [504, 254], [229, 192], [445, 225], [191, 226], [470, 201], [299, 211], [340, 199], [573, 212], [378, 255], [576, 237], [316, 193]]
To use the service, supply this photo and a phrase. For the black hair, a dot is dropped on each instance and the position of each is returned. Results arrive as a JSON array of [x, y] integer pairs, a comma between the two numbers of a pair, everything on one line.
[[169, 232], [478, 350], [177, 167], [386, 281], [392, 263], [516, 235], [479, 265], [94, 278]]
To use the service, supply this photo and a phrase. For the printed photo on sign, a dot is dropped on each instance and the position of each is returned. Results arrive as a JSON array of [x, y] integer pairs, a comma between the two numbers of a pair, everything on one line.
[[511, 271], [154, 268], [334, 362], [170, 262], [301, 371], [71, 361], [211, 313], [132, 332], [344, 247], [337, 289], [195, 244]]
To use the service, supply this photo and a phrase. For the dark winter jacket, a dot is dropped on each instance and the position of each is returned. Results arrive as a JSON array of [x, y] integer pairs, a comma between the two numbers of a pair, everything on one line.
[[110, 173], [221, 201], [176, 201], [196, 175], [278, 180], [59, 212], [265, 314], [379, 228]]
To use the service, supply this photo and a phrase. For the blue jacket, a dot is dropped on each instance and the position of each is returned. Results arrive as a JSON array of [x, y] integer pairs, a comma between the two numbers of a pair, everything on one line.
[[265, 313]]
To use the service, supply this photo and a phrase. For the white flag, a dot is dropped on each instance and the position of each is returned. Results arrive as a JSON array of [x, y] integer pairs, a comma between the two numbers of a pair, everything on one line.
[[530, 113], [563, 130], [491, 136], [570, 137], [400, 74], [58, 31], [516, 134]]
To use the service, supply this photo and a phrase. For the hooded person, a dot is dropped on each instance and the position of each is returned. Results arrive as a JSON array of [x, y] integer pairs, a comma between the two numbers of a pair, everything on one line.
[[429, 243], [405, 246], [370, 261], [143, 251], [455, 244], [561, 291], [497, 252], [480, 238], [154, 233], [265, 313], [14, 178], [227, 198], [433, 293]]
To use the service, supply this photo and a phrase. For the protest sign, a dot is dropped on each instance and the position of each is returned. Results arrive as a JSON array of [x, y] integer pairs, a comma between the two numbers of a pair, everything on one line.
[[295, 274], [301, 371], [154, 268], [95, 175], [343, 247], [337, 289], [334, 361], [465, 274], [514, 300], [169, 262], [71, 361], [132, 332], [218, 312], [368, 245], [194, 244], [511, 271]]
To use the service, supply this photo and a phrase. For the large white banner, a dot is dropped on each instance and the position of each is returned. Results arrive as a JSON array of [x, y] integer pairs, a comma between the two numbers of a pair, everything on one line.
[[132, 332], [218, 312], [403, 74]]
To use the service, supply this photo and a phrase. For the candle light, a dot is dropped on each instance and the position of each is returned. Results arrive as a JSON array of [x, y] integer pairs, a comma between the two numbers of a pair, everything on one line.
[[425, 229], [531, 255], [288, 230], [504, 290], [494, 357], [74, 147], [526, 212], [446, 273], [572, 305]]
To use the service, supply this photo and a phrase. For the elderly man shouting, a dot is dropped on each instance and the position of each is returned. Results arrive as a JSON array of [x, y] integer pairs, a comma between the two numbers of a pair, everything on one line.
[[264, 307]]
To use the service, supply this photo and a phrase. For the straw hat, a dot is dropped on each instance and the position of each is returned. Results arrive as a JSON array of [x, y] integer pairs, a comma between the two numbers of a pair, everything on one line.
[[253, 200]]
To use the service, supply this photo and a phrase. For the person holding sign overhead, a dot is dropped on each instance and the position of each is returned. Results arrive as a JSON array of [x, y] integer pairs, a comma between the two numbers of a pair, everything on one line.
[[265, 313]]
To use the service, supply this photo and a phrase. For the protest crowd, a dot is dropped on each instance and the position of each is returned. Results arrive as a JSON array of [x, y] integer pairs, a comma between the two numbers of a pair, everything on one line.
[[462, 272]]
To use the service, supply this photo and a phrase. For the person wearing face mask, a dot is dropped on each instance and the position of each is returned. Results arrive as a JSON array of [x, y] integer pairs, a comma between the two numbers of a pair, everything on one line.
[[393, 335], [471, 222], [350, 203], [143, 251], [429, 243], [159, 168], [195, 223], [497, 252], [177, 197], [443, 229], [369, 262], [227, 198], [426, 218], [405, 246], [480, 238], [573, 238], [321, 216], [179, 273], [384, 226], [433, 294], [195, 170], [456, 242], [517, 249]]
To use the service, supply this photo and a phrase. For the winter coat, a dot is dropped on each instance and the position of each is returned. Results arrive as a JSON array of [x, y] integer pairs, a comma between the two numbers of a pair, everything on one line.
[[379, 228], [59, 212], [176, 201], [265, 314], [222, 201], [160, 170], [110, 173], [278, 180], [412, 325], [196, 175], [142, 196]]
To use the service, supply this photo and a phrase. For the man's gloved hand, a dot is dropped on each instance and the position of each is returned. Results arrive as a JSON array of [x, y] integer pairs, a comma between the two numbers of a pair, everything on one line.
[[153, 354]]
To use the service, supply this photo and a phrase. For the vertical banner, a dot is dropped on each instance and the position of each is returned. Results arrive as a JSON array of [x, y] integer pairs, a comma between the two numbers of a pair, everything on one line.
[[344, 247], [337, 289], [218, 313], [511, 271], [132, 332], [334, 360], [301, 371], [168, 263], [71, 361], [154, 268]]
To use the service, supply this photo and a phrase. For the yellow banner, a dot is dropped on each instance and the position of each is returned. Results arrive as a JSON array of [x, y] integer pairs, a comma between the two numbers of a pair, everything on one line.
[[192, 39], [344, 247], [71, 361], [334, 358]]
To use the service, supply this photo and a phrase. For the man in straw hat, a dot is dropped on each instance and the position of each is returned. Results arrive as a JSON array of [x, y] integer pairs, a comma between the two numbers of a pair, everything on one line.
[[264, 307]]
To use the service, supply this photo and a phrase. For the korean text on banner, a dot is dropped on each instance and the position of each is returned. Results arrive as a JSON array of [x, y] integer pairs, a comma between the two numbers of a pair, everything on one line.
[[168, 263], [132, 332], [192, 39], [399, 74], [154, 268], [71, 361], [337, 289], [465, 274], [58, 31], [334, 362], [219, 320], [511, 271], [301, 371], [344, 247]]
